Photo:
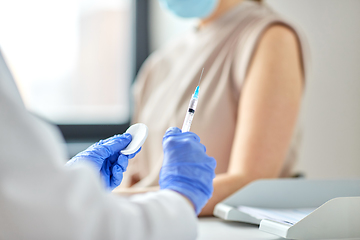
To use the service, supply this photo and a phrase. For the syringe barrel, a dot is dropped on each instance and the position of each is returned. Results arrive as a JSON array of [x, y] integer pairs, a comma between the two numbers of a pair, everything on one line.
[[189, 114], [187, 122]]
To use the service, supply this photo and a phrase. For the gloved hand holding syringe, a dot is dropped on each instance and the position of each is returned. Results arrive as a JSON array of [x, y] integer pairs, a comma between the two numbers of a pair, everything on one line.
[[192, 108]]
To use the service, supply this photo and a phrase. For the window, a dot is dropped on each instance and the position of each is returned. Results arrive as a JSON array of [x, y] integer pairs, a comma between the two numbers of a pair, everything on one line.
[[74, 61], [71, 58]]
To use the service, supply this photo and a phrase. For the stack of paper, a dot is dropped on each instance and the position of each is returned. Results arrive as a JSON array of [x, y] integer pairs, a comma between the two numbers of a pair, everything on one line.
[[287, 216]]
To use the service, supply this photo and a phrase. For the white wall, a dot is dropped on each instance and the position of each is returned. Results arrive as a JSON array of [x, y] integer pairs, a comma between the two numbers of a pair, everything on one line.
[[331, 109]]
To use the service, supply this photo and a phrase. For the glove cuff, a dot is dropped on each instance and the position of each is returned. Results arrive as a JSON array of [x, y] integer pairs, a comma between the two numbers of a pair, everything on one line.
[[198, 199]]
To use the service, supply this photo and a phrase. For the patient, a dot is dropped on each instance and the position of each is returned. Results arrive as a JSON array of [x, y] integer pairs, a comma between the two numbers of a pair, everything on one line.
[[249, 101]]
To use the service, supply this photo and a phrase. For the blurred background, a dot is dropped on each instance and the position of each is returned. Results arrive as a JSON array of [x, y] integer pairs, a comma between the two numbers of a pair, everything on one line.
[[75, 60]]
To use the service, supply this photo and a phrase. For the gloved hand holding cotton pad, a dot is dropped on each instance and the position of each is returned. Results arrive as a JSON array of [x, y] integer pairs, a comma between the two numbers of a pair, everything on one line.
[[110, 156], [139, 133]]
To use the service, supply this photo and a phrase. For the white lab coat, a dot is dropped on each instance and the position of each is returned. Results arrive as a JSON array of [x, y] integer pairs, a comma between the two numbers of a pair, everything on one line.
[[42, 199]]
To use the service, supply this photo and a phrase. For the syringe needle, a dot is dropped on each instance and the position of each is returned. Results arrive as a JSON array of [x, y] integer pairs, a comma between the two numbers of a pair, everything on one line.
[[201, 76]]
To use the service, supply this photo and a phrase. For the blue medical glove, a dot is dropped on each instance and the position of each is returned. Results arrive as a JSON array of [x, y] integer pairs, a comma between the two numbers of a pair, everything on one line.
[[186, 167], [105, 156]]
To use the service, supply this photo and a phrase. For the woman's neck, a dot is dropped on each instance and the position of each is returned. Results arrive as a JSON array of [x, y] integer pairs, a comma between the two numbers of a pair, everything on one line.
[[223, 7]]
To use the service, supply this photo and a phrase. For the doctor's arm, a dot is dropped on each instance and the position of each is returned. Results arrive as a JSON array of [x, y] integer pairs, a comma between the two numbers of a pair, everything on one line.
[[267, 114], [42, 199]]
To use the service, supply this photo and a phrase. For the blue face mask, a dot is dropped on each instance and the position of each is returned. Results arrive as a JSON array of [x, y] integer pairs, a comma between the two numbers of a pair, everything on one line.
[[190, 8]]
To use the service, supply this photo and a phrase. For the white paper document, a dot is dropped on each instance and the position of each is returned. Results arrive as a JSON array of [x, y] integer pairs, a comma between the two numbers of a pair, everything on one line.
[[287, 216]]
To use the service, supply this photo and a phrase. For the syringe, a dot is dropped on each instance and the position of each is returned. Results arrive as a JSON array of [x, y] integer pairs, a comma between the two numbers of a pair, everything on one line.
[[191, 109]]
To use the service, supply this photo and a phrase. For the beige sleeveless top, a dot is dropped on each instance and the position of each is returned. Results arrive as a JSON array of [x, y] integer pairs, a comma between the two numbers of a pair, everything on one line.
[[169, 77]]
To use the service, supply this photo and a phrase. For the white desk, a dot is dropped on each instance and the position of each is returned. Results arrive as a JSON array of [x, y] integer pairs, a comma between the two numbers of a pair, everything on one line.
[[215, 229]]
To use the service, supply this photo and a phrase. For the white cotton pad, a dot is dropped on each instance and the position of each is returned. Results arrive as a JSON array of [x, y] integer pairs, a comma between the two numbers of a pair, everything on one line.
[[139, 133]]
